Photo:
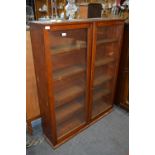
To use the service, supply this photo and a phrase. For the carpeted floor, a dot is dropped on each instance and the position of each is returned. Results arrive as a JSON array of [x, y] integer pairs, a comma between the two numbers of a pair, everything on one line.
[[109, 136]]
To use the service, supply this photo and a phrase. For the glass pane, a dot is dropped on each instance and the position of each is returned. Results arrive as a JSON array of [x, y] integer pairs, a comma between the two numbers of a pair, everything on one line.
[[68, 54], [106, 59]]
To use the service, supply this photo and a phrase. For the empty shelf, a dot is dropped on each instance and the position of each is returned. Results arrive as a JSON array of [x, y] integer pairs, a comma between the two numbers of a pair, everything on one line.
[[68, 48], [103, 61], [100, 106], [104, 41], [101, 79], [68, 94], [68, 110], [69, 71], [69, 125], [98, 94]]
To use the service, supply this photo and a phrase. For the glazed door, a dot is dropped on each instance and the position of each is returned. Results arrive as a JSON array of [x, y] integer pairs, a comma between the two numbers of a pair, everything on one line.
[[105, 60], [69, 56]]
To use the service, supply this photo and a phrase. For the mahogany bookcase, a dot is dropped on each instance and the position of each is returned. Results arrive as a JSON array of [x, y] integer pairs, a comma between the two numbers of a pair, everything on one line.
[[76, 64]]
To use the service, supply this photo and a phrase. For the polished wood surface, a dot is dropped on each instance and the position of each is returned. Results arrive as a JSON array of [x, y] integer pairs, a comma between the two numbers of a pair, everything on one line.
[[70, 91], [122, 91], [71, 79], [32, 104]]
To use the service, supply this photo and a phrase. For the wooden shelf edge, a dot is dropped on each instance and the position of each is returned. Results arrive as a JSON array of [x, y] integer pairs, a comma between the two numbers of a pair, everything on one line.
[[101, 93], [104, 62], [69, 71], [66, 96], [74, 124], [105, 41], [67, 110], [68, 48], [100, 105], [101, 80]]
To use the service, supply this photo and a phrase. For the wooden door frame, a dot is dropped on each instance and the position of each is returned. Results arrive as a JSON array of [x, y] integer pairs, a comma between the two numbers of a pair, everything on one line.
[[94, 49], [49, 69]]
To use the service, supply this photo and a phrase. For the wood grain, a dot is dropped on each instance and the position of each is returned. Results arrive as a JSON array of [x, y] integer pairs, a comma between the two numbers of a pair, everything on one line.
[[32, 104], [122, 90]]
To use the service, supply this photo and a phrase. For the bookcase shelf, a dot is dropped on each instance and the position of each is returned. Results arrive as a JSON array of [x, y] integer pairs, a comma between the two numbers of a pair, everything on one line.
[[68, 110], [68, 94], [105, 41], [101, 79], [99, 93], [98, 107], [63, 49], [104, 61], [61, 74], [74, 122]]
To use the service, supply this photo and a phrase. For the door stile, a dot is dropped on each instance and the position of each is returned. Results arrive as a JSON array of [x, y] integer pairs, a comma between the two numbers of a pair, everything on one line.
[[89, 57], [93, 57], [50, 86]]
